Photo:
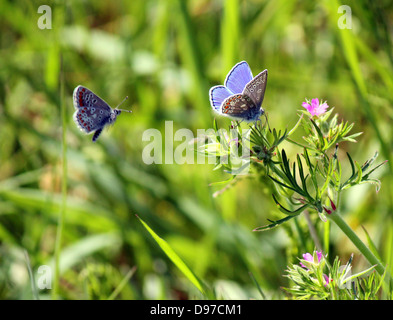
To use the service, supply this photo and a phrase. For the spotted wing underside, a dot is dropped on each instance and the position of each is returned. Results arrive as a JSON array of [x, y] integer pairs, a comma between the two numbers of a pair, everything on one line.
[[255, 89], [239, 106]]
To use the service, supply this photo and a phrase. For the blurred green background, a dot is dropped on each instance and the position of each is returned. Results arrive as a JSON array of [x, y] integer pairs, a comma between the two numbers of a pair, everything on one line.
[[165, 55]]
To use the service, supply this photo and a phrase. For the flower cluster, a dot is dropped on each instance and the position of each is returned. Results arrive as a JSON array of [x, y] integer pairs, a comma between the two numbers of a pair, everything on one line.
[[317, 260], [314, 180], [315, 278]]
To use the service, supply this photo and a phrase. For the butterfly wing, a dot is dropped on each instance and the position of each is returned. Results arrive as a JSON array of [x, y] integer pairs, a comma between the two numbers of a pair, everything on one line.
[[238, 77], [92, 113], [240, 107], [217, 96], [84, 97], [255, 89]]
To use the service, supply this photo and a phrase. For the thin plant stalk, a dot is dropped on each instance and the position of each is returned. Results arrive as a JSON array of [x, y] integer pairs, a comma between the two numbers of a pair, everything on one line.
[[339, 221], [326, 236], [312, 230], [60, 225], [31, 275]]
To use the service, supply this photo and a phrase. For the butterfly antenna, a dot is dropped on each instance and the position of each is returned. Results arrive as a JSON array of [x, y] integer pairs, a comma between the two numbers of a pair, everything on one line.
[[121, 104]]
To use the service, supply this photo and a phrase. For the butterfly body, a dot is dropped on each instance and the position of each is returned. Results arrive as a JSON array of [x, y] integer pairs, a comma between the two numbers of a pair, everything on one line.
[[242, 95], [92, 113]]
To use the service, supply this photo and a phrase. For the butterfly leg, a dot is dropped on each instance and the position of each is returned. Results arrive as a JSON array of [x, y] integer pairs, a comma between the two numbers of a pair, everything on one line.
[[96, 134]]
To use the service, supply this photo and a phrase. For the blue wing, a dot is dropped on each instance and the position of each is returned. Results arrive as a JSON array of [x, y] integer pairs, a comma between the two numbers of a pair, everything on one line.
[[238, 77], [217, 96]]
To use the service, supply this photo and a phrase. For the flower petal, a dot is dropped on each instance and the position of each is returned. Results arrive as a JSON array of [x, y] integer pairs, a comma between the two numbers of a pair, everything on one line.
[[308, 257], [321, 109], [319, 255], [315, 103]]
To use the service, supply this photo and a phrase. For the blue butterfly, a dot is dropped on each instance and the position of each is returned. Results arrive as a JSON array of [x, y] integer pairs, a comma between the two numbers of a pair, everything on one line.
[[241, 95], [92, 113]]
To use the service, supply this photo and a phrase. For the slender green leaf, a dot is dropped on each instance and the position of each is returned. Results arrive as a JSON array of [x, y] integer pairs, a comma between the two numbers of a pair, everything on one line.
[[179, 263]]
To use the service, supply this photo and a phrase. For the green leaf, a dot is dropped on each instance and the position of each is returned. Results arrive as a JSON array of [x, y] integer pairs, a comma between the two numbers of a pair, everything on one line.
[[359, 177], [357, 275], [352, 165], [281, 183], [122, 284], [215, 126], [375, 182], [320, 135], [369, 161], [287, 170], [287, 211], [311, 169], [295, 127], [351, 137], [373, 169], [371, 244], [302, 178], [274, 223], [174, 258], [327, 178]]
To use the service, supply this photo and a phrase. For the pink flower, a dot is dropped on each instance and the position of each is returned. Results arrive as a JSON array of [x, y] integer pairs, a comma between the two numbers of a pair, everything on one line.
[[309, 258], [315, 108]]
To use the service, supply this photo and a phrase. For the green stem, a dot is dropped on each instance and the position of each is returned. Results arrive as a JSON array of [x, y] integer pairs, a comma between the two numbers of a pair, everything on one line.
[[313, 232], [326, 236], [60, 225], [335, 217]]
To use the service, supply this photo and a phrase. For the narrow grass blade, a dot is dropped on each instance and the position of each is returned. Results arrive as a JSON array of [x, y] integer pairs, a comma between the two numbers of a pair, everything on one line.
[[257, 285], [174, 258], [371, 244], [122, 284], [60, 225], [31, 275]]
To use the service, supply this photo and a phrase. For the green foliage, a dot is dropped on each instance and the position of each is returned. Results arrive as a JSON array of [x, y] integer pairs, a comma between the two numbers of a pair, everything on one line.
[[322, 281], [323, 171], [175, 258]]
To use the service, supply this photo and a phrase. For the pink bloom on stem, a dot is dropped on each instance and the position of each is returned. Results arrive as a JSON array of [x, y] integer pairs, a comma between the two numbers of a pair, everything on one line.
[[308, 257], [315, 109], [319, 255]]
